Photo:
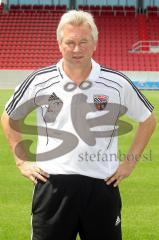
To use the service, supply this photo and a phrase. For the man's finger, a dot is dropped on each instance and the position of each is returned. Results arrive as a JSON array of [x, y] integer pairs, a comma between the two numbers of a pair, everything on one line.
[[39, 176], [118, 181], [40, 171], [33, 179], [111, 180], [44, 173]]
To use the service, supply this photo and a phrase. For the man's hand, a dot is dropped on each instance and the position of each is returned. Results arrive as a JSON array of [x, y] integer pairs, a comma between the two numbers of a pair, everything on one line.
[[27, 168], [124, 170], [142, 136], [32, 172]]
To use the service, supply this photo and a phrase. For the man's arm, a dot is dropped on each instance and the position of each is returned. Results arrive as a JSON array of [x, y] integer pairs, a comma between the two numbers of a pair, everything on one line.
[[142, 136], [26, 167]]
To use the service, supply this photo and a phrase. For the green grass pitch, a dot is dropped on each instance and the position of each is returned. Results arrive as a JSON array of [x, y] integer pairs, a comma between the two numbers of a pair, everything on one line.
[[140, 192]]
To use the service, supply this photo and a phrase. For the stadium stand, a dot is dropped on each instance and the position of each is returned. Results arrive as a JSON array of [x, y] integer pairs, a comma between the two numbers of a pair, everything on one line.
[[28, 37], [152, 10], [84, 7]]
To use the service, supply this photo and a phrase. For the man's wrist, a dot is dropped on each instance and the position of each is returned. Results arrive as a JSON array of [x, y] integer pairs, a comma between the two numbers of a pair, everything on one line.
[[19, 163], [131, 159]]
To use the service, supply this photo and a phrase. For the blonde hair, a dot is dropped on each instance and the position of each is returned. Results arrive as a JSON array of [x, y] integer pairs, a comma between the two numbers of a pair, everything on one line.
[[76, 18]]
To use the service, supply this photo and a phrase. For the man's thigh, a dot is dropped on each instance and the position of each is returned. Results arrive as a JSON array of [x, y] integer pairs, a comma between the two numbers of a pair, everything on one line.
[[102, 216], [55, 210]]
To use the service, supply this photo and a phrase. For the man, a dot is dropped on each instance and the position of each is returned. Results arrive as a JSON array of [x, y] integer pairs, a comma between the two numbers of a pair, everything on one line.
[[78, 104]]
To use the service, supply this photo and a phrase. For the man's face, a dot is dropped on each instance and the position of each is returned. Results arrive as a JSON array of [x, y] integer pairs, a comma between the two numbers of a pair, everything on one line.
[[77, 44]]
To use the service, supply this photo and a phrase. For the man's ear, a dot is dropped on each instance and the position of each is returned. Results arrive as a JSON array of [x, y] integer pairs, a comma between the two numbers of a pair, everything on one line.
[[59, 44], [95, 46]]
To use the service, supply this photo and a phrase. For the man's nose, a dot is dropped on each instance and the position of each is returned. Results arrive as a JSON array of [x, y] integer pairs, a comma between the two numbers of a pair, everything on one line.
[[76, 48]]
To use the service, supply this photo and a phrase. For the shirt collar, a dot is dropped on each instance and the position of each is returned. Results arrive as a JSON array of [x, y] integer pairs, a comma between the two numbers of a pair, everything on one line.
[[93, 76]]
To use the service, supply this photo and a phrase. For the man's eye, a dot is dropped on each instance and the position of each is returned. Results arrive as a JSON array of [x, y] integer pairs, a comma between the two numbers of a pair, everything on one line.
[[70, 43]]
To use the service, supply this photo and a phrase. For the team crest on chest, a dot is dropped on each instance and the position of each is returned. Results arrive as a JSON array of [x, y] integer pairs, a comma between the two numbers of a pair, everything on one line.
[[100, 101]]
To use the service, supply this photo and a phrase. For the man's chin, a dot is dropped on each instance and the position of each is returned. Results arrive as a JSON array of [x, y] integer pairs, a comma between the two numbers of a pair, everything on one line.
[[78, 60]]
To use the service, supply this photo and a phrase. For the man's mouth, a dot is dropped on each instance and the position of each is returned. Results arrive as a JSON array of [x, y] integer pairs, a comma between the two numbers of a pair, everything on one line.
[[77, 57]]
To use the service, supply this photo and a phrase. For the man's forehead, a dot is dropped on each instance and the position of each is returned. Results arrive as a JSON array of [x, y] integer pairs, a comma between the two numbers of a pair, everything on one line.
[[82, 32], [77, 27]]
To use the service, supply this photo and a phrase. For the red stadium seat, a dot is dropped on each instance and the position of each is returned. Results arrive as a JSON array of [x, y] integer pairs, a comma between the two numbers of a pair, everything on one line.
[[83, 7], [38, 7], [26, 7], [95, 10], [130, 10], [152, 10], [107, 10], [14, 7], [1, 7], [61, 8], [50, 7], [119, 10]]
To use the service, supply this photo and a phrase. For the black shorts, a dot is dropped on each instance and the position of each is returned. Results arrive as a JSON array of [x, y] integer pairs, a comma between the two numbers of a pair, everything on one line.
[[70, 204]]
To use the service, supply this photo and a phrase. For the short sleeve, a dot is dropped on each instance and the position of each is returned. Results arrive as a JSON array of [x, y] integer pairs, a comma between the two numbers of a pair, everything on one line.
[[22, 101], [138, 107]]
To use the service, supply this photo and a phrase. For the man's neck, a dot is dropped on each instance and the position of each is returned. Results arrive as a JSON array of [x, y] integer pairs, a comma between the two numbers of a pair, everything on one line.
[[78, 74]]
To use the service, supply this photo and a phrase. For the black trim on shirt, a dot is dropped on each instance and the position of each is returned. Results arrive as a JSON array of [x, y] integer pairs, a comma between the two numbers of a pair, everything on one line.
[[140, 95], [24, 86]]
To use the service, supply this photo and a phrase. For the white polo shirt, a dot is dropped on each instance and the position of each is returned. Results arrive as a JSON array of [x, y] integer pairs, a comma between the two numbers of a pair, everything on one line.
[[78, 126]]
